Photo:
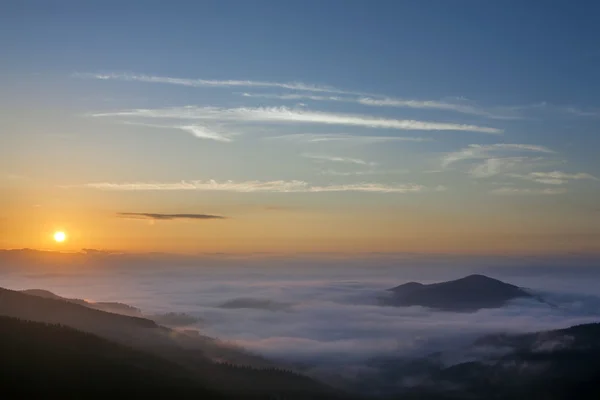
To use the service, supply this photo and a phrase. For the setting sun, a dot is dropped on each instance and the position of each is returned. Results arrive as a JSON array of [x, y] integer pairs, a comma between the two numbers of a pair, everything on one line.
[[60, 236]]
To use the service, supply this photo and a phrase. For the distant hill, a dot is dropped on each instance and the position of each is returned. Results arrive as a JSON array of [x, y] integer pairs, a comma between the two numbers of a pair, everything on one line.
[[470, 293], [171, 319], [113, 307], [217, 366]]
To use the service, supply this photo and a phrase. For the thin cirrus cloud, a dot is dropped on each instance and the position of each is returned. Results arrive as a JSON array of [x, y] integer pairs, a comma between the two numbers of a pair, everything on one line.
[[291, 115], [199, 131], [555, 177], [498, 165], [527, 191], [351, 139], [382, 101], [476, 151], [212, 83], [331, 172], [338, 159], [259, 187], [371, 100], [166, 217]]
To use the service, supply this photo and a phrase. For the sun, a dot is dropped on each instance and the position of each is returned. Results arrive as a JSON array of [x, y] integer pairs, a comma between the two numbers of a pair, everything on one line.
[[60, 236]]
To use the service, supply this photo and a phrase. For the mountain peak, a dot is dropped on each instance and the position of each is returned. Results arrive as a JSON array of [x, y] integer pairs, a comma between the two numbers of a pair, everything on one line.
[[469, 293]]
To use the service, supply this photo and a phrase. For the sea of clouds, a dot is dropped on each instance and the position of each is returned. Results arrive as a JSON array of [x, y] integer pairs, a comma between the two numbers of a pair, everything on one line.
[[319, 312]]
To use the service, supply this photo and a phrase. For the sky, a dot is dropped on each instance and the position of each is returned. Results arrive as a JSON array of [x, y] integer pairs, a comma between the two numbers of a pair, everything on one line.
[[300, 127]]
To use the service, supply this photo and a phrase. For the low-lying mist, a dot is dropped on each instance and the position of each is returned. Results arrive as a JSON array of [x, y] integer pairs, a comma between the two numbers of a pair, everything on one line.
[[323, 314]]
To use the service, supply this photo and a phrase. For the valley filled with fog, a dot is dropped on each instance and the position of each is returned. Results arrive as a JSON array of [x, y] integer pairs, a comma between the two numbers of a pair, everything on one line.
[[321, 315]]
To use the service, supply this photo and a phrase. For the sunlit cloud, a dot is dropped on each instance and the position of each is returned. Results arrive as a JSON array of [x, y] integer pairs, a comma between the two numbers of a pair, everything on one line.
[[257, 187], [346, 160], [292, 115]]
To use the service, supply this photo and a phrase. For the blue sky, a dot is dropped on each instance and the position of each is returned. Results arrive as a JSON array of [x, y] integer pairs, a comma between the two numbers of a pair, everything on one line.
[[432, 105]]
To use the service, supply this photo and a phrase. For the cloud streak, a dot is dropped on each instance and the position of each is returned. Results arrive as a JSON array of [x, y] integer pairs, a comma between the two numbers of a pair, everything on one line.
[[199, 131], [257, 187], [494, 166], [346, 160], [528, 191], [363, 173], [351, 139], [212, 82], [166, 217], [555, 177], [477, 151], [291, 115], [383, 101]]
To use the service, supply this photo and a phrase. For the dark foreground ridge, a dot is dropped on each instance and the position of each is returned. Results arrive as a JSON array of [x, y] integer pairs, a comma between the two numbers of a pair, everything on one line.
[[467, 294], [52, 361], [211, 365]]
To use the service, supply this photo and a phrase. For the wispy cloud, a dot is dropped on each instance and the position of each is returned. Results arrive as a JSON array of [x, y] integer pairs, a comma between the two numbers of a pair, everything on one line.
[[257, 187], [582, 113], [555, 177], [494, 166], [331, 172], [373, 187], [371, 100], [476, 151], [437, 105], [203, 132], [212, 82], [368, 99], [157, 216], [199, 131], [346, 160], [298, 96], [351, 139], [291, 115], [526, 191], [383, 101]]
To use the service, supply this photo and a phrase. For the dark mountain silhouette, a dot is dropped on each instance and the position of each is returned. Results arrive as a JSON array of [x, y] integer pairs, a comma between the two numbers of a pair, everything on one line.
[[217, 366], [466, 294], [51, 361]]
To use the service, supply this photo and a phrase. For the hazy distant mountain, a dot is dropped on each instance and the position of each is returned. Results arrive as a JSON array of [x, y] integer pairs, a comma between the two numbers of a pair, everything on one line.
[[217, 366], [466, 294], [113, 307], [172, 319]]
